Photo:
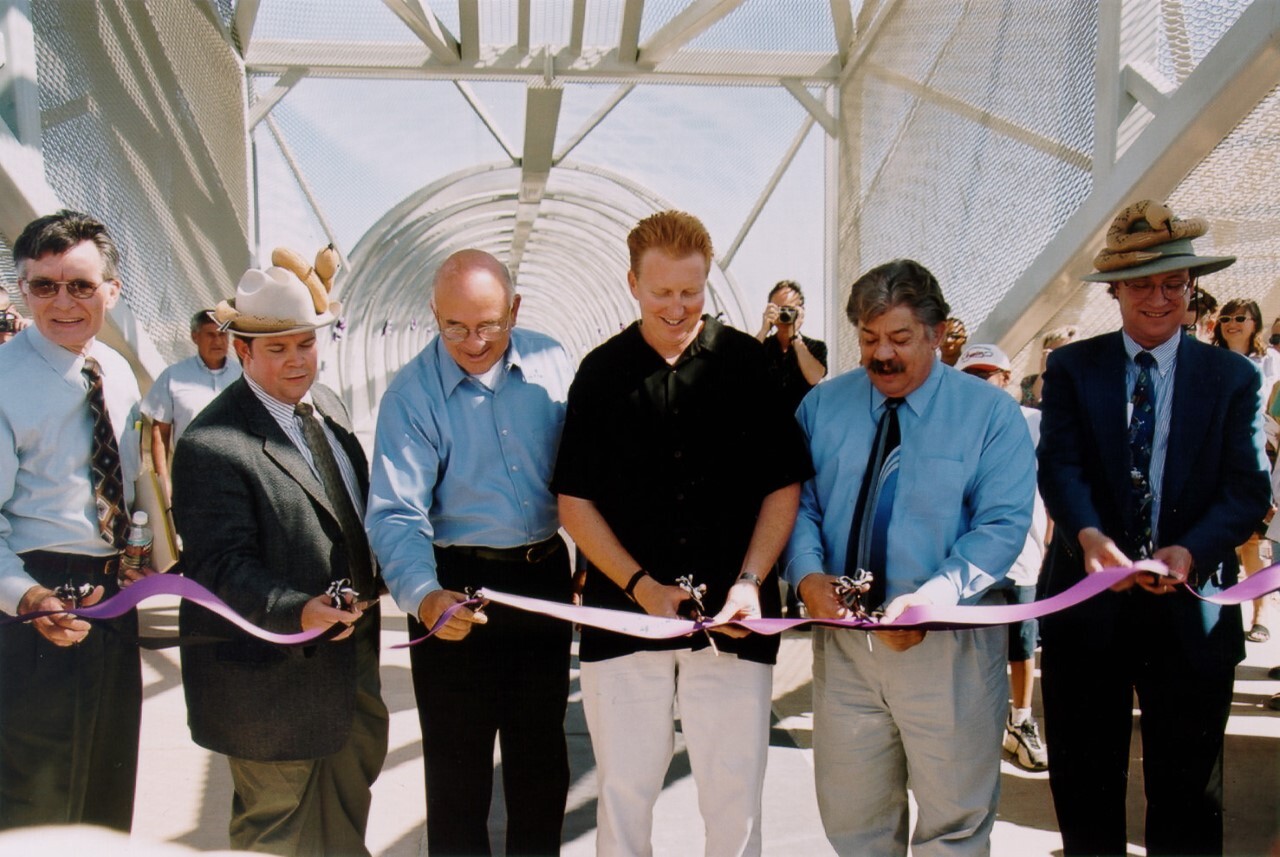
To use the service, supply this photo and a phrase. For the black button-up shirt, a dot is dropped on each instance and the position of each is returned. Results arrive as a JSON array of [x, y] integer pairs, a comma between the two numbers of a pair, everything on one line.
[[677, 459]]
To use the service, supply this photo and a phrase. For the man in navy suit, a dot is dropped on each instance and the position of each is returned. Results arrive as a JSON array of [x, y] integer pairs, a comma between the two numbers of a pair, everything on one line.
[[1151, 446]]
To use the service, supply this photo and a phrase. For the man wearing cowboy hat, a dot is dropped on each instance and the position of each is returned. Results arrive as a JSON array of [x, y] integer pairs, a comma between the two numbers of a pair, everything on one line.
[[1151, 446], [268, 487]]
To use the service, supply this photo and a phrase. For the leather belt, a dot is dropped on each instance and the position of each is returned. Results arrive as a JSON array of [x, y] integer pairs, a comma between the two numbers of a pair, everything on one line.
[[70, 562], [531, 554]]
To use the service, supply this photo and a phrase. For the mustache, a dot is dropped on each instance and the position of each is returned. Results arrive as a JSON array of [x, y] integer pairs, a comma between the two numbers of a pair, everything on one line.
[[886, 367]]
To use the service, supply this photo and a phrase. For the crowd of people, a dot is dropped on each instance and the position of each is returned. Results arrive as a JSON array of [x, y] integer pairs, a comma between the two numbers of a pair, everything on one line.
[[917, 479]]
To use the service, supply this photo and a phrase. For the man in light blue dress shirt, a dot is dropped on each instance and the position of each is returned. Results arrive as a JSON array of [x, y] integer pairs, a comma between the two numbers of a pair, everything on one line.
[[70, 695], [893, 701], [466, 439]]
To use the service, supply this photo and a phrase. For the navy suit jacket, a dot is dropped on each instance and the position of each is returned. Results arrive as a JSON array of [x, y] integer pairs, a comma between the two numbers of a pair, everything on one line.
[[1216, 486], [259, 531]]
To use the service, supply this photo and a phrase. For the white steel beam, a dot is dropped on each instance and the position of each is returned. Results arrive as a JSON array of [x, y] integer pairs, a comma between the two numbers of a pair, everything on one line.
[[593, 120], [1237, 73], [985, 118], [246, 16], [629, 31], [269, 99], [469, 24], [486, 117], [542, 115], [427, 27], [842, 24], [816, 109], [522, 26], [781, 170], [684, 27], [577, 26], [415, 62], [312, 201]]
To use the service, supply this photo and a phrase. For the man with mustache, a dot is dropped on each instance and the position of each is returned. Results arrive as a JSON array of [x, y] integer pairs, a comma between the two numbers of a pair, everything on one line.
[[925, 478]]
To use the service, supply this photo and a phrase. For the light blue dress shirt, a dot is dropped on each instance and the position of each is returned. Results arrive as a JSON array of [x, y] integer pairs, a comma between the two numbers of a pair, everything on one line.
[[455, 463], [966, 483], [46, 442]]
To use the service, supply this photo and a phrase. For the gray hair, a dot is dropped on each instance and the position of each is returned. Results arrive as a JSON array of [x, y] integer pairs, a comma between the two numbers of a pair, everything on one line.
[[897, 283]]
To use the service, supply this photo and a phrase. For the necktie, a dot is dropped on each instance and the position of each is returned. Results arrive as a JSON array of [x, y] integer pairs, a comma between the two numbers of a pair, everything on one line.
[[1142, 433], [868, 530], [108, 482], [348, 519]]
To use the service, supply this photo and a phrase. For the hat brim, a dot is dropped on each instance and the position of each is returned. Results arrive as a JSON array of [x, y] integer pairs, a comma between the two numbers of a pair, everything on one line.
[[243, 324], [1197, 265]]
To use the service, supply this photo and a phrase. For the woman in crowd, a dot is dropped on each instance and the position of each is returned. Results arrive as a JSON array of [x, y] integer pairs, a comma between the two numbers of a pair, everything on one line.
[[1240, 329]]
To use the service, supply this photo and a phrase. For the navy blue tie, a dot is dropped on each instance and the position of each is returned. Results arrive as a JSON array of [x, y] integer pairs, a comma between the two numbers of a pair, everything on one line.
[[868, 531], [1142, 433]]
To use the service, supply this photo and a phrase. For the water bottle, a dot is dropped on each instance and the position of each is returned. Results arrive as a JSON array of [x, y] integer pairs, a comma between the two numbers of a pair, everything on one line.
[[137, 551]]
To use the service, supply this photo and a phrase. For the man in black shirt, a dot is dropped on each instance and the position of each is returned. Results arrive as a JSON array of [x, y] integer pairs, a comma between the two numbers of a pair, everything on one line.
[[796, 361], [654, 484]]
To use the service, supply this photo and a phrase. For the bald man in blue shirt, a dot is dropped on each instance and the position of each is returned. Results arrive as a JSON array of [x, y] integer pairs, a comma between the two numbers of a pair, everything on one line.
[[466, 439]]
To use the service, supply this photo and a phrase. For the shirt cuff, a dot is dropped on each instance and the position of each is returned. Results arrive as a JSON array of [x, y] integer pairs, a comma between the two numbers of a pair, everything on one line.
[[940, 591]]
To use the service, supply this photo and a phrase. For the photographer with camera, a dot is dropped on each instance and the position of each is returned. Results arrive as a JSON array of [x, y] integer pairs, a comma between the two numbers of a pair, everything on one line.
[[796, 361], [11, 321]]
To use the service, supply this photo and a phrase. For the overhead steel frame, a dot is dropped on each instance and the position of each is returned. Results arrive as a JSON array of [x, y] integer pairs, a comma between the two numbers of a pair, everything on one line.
[[1189, 121], [439, 55], [580, 294]]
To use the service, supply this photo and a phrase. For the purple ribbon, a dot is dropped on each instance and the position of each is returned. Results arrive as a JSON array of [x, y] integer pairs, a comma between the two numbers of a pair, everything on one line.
[[171, 584], [660, 628], [924, 616]]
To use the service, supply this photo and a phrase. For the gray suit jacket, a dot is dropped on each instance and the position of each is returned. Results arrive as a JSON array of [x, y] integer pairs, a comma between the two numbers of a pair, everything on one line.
[[259, 532]]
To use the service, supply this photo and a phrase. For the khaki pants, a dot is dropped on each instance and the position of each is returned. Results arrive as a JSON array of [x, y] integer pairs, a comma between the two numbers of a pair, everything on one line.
[[317, 806]]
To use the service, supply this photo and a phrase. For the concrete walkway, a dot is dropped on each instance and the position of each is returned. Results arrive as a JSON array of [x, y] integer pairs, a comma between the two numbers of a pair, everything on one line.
[[184, 792]]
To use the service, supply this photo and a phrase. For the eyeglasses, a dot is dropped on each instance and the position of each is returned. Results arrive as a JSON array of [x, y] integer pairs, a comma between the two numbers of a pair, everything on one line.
[[1171, 290], [43, 288], [1238, 319], [490, 331], [984, 374]]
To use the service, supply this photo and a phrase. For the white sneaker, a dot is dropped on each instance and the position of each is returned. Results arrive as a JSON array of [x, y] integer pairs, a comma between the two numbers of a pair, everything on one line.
[[1024, 742]]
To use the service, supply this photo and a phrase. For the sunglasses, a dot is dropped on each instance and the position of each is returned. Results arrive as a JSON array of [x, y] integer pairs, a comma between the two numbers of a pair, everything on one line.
[[45, 289], [1238, 319]]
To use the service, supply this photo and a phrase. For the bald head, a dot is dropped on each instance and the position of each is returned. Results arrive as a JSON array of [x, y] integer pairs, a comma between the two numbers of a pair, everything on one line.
[[475, 304], [471, 265]]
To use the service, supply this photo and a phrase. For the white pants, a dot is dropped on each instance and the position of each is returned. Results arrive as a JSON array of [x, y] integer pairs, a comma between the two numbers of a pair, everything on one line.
[[931, 717], [724, 707]]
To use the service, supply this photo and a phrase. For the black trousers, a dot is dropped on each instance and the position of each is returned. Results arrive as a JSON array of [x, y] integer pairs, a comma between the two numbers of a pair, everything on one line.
[[1088, 700], [69, 717], [510, 679]]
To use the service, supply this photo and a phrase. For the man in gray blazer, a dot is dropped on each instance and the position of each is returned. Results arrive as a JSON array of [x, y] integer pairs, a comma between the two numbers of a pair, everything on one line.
[[268, 486]]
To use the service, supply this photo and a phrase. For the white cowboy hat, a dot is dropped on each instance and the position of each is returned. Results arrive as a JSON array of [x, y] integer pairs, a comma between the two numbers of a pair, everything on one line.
[[273, 302]]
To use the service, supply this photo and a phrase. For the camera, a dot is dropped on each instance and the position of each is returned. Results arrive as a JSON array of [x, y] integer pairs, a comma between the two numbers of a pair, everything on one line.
[[8, 322], [787, 314]]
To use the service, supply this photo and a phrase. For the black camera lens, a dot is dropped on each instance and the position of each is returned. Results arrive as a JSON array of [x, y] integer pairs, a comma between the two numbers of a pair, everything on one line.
[[787, 314]]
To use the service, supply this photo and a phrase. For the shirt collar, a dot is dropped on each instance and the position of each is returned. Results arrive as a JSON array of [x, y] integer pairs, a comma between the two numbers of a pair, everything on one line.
[[66, 363], [451, 374], [270, 402], [1166, 353], [918, 399]]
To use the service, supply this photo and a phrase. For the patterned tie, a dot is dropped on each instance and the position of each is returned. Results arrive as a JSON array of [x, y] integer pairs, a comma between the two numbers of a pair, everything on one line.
[[1142, 433], [868, 530], [348, 519], [108, 482]]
